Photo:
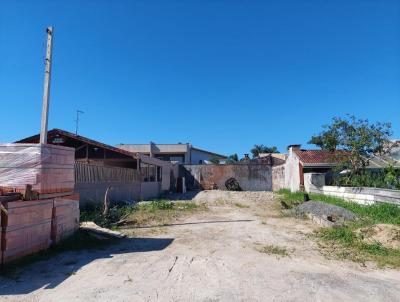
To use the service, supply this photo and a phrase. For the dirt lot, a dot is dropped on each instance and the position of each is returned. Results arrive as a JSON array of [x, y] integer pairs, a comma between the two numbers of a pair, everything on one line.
[[240, 249]]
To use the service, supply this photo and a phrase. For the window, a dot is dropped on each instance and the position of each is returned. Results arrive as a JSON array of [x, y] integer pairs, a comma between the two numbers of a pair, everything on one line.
[[152, 173], [144, 170], [159, 174]]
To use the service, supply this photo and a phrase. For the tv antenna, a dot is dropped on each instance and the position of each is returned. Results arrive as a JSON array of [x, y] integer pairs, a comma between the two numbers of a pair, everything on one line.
[[77, 120]]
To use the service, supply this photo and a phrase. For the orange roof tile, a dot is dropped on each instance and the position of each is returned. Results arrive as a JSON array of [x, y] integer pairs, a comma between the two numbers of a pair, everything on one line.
[[313, 157]]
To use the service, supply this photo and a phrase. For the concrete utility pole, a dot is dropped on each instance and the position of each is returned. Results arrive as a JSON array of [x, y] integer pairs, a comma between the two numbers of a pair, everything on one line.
[[46, 90]]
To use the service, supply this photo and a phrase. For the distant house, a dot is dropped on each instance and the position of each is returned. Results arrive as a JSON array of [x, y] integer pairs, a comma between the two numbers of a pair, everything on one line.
[[392, 158], [181, 153], [274, 159], [132, 176], [302, 161]]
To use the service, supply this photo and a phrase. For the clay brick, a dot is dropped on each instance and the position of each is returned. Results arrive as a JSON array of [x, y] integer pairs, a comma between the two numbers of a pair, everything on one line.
[[48, 168], [26, 228], [65, 217]]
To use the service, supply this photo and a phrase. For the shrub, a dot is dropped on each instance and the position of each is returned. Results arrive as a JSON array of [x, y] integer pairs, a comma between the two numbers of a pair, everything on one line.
[[388, 178]]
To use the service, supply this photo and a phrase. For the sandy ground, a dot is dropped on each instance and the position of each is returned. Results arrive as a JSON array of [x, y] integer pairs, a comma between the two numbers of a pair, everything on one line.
[[210, 256]]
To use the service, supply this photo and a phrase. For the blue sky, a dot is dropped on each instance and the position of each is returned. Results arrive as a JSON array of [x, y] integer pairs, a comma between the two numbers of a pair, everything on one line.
[[223, 75]]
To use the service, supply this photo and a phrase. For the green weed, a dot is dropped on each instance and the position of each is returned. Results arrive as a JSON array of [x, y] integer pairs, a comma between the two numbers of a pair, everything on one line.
[[342, 241]]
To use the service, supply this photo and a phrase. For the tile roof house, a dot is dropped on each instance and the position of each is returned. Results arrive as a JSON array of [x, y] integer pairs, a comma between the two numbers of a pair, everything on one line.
[[181, 153], [301, 161], [319, 158], [274, 159], [392, 158]]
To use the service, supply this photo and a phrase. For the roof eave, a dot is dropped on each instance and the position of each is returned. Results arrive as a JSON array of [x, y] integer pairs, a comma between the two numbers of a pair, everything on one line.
[[319, 165]]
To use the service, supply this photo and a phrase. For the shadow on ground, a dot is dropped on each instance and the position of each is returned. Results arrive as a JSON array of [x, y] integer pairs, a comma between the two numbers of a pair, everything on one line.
[[188, 195], [22, 278], [193, 223]]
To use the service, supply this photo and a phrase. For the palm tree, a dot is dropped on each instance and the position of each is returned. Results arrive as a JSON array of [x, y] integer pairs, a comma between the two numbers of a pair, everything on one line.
[[263, 149], [232, 159]]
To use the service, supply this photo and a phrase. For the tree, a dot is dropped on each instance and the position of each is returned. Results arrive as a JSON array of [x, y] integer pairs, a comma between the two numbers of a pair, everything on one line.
[[232, 159], [263, 149], [329, 138], [359, 138]]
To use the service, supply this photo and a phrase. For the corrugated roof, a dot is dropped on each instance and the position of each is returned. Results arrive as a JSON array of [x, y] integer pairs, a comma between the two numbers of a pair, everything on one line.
[[320, 157], [383, 161]]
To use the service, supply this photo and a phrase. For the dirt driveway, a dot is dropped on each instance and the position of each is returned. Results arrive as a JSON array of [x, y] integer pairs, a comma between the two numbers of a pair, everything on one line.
[[223, 254]]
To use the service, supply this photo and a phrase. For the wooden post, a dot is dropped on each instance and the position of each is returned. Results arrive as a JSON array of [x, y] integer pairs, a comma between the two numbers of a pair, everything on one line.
[[46, 90]]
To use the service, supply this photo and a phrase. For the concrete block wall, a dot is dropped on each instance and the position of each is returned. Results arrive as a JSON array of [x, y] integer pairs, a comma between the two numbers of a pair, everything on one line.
[[315, 183], [93, 193], [251, 177], [150, 190], [278, 177]]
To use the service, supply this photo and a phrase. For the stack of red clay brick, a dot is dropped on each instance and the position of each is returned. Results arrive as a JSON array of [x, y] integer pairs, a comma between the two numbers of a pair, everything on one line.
[[28, 226], [48, 168]]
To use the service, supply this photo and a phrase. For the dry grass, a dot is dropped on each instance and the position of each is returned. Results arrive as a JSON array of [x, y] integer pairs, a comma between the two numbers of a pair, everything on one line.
[[241, 205], [158, 213], [279, 251]]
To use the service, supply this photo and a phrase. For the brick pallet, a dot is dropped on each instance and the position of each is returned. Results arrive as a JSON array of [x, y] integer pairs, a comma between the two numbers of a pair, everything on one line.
[[65, 219], [48, 168], [46, 172], [31, 226], [25, 228]]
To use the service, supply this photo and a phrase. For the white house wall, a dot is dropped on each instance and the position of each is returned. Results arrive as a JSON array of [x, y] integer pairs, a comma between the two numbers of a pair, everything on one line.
[[292, 172], [199, 155]]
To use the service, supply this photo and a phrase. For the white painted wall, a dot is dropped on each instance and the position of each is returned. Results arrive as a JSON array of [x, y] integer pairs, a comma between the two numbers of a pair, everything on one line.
[[199, 155], [315, 183], [292, 173]]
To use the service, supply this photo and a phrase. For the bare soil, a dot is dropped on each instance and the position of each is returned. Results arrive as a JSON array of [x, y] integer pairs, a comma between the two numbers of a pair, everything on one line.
[[387, 235], [241, 249]]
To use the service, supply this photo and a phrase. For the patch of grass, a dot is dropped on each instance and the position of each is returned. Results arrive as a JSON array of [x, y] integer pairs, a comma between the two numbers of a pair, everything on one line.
[[162, 212], [240, 205], [342, 242], [115, 214], [144, 213], [289, 199], [274, 250], [187, 206], [164, 205], [369, 214], [155, 205]]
